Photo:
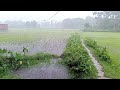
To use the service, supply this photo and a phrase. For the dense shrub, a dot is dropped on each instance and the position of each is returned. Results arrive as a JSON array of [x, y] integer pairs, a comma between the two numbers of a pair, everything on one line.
[[76, 57], [12, 60], [101, 52], [91, 43]]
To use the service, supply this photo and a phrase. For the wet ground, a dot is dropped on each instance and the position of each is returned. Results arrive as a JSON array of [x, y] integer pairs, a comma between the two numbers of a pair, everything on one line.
[[51, 71], [47, 71], [52, 46]]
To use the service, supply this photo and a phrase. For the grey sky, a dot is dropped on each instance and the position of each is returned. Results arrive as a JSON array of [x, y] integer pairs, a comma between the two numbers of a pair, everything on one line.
[[42, 15]]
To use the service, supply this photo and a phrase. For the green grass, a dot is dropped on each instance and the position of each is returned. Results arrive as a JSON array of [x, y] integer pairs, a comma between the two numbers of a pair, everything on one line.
[[38, 58], [112, 41], [26, 35]]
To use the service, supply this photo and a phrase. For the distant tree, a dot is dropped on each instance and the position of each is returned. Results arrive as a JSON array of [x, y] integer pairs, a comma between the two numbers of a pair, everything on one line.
[[87, 25], [15, 24], [75, 23], [33, 23], [108, 19], [67, 23], [91, 21], [27, 24]]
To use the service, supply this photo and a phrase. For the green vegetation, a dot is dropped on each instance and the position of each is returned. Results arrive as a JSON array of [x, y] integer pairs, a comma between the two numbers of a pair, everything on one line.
[[76, 58], [101, 52], [111, 41], [13, 61], [9, 75], [108, 20]]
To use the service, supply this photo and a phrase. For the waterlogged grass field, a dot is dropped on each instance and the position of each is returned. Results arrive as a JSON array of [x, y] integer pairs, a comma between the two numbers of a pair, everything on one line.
[[109, 39], [26, 35], [46, 40], [36, 40], [112, 41]]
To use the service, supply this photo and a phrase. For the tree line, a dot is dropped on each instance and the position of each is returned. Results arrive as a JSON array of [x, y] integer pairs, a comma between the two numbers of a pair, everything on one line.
[[68, 23], [102, 20], [108, 20]]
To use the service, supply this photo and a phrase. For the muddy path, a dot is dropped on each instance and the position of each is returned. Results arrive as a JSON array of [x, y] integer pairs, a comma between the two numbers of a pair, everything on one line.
[[96, 64]]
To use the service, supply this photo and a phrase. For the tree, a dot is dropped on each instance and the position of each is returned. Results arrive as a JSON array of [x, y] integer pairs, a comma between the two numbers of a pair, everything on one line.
[[33, 23], [108, 19], [67, 23], [87, 25], [27, 24], [75, 23], [91, 21]]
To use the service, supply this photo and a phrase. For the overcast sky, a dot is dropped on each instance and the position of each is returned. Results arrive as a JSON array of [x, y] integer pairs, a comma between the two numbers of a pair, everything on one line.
[[42, 15]]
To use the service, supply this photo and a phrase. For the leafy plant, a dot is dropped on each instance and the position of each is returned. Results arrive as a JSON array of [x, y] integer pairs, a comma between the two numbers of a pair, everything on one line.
[[102, 52], [91, 43]]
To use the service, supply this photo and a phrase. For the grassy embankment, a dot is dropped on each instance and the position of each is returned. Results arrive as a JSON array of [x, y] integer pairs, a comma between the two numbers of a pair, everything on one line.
[[111, 41]]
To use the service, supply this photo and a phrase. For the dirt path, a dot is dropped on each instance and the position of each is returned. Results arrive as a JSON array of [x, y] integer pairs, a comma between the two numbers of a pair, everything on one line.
[[95, 62]]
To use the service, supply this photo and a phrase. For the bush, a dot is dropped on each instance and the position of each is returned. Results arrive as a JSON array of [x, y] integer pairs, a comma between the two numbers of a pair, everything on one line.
[[91, 43], [10, 59], [102, 52], [13, 60], [76, 57]]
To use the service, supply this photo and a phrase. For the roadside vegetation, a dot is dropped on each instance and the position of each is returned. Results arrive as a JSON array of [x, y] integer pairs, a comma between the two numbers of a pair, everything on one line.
[[76, 58]]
